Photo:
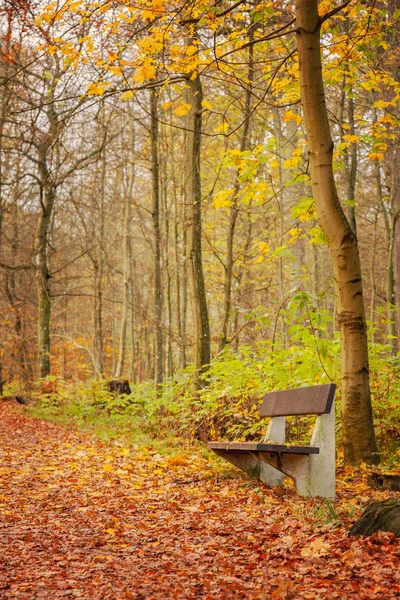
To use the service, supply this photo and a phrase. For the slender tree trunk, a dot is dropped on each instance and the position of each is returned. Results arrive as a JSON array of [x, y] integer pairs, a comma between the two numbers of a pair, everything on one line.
[[239, 278], [98, 278], [373, 277], [127, 257], [48, 194], [351, 170], [11, 292], [193, 198], [390, 216], [158, 300], [234, 208], [357, 424], [391, 269], [134, 352], [167, 267], [185, 287]]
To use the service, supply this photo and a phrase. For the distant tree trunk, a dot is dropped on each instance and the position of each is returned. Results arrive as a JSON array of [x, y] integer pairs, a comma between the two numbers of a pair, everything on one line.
[[350, 155], [133, 337], [239, 278], [357, 424], [373, 275], [11, 290], [193, 199], [391, 216], [155, 169], [185, 287], [167, 267], [41, 260], [351, 168], [234, 208], [98, 276], [394, 212], [127, 256]]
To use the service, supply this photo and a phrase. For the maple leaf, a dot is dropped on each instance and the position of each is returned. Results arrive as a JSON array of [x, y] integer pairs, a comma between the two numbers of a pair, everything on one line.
[[317, 548], [96, 89], [182, 109], [126, 95]]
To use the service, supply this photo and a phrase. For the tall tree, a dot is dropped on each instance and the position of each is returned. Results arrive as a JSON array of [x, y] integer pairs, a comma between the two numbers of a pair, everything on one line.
[[158, 299], [357, 424], [194, 202]]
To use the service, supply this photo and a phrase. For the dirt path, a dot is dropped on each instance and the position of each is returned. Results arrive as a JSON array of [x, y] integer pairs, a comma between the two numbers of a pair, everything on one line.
[[81, 519]]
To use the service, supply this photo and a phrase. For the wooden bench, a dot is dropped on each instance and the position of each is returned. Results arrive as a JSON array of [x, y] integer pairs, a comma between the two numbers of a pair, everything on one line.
[[311, 467]]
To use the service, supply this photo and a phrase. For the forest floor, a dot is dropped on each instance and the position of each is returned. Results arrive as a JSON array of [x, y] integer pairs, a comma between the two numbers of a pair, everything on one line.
[[80, 518]]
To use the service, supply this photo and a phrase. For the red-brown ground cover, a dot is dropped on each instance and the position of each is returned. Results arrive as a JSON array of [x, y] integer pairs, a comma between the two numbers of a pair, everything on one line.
[[84, 519]]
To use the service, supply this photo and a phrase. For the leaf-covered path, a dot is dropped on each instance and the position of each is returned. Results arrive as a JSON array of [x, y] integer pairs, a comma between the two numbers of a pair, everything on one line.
[[82, 519]]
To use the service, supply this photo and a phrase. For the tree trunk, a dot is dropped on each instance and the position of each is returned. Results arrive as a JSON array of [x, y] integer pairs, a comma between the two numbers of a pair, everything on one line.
[[155, 170], [234, 208], [390, 216], [357, 425], [48, 194], [193, 199], [98, 278], [351, 168], [127, 257], [166, 217]]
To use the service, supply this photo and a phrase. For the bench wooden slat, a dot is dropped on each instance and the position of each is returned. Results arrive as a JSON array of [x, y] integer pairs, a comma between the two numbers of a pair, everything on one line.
[[263, 447], [313, 400]]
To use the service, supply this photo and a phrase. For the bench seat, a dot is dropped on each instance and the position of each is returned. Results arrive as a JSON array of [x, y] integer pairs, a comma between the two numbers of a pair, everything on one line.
[[262, 447]]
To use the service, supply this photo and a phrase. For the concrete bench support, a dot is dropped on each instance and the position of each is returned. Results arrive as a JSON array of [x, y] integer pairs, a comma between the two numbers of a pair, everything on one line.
[[314, 474]]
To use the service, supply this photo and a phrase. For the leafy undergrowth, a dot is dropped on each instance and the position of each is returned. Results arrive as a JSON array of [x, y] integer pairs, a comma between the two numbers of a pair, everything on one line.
[[81, 518]]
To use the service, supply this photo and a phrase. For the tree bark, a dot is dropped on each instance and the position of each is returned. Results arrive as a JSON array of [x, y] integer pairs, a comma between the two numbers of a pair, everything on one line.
[[193, 199], [158, 299], [98, 263], [357, 424], [351, 168], [234, 208], [127, 255], [41, 260]]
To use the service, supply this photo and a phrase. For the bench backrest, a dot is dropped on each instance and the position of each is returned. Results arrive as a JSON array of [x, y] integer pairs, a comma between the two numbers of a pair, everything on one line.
[[314, 400]]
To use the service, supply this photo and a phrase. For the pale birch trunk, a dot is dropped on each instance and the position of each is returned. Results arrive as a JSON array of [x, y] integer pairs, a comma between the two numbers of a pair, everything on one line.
[[356, 411]]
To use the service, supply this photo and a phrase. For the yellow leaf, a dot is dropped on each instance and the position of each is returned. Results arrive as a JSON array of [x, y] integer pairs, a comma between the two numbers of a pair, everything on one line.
[[107, 467], [96, 89], [126, 95], [263, 248], [292, 116], [182, 109], [316, 549], [352, 139], [223, 199], [143, 73], [206, 104]]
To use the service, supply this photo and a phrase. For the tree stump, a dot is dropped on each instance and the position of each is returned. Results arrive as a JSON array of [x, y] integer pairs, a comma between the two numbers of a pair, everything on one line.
[[379, 516], [381, 481], [118, 387]]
